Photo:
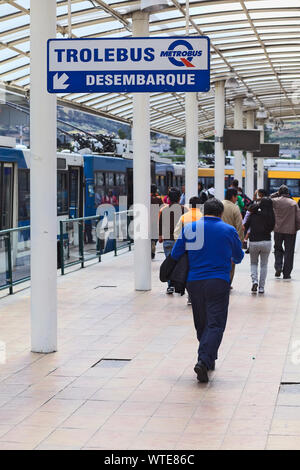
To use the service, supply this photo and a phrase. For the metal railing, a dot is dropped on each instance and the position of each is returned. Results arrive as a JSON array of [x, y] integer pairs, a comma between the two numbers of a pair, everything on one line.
[[79, 241], [14, 257], [122, 221]]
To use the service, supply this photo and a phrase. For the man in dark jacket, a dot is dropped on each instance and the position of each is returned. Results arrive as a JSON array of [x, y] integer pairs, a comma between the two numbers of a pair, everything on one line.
[[287, 223], [156, 202], [212, 245], [169, 216]]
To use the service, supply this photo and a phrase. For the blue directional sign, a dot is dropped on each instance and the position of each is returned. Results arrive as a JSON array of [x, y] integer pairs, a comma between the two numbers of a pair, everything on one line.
[[129, 65]]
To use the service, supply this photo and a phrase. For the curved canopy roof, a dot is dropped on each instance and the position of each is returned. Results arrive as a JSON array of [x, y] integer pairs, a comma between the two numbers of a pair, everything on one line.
[[258, 39]]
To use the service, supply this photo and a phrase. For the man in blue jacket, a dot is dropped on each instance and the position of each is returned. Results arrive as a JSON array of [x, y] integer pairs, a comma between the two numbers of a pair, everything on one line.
[[212, 246]]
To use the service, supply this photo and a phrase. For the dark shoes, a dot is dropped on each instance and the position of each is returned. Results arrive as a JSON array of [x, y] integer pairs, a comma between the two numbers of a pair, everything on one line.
[[277, 274], [287, 278], [201, 371], [170, 290], [254, 288]]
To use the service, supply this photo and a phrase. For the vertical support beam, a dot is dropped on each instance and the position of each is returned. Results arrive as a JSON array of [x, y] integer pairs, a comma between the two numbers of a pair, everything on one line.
[[69, 19], [250, 159], [219, 131], [191, 146], [260, 161], [238, 154], [43, 213], [191, 132], [141, 172]]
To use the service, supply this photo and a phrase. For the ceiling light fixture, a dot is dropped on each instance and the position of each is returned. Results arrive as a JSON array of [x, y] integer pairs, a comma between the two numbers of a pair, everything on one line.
[[231, 81], [153, 5], [261, 113], [249, 101]]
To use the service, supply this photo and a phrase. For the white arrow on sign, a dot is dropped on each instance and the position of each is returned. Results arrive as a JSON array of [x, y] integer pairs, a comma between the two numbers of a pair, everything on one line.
[[59, 82]]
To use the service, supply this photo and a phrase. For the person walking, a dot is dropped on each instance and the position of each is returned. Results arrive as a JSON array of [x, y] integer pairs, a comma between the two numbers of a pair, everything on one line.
[[240, 202], [182, 197], [232, 216], [287, 223], [192, 215], [168, 218], [211, 245], [156, 203], [261, 223]]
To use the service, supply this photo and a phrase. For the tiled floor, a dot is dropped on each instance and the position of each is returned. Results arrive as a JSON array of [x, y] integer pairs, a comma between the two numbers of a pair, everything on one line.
[[153, 401]]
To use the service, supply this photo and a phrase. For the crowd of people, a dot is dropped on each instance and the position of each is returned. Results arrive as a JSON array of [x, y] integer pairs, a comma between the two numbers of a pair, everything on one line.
[[208, 237]]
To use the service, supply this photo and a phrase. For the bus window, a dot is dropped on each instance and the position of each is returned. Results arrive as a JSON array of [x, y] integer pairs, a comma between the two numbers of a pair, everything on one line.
[[62, 193], [24, 195], [99, 187], [6, 195], [275, 183], [110, 180]]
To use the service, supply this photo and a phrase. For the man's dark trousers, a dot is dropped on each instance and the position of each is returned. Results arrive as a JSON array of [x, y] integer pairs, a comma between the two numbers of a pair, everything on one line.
[[284, 258], [210, 300]]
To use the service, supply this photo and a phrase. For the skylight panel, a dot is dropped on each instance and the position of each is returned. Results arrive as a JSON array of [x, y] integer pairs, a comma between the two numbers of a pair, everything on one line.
[[24, 3], [13, 24], [10, 66], [275, 4], [7, 9], [17, 74]]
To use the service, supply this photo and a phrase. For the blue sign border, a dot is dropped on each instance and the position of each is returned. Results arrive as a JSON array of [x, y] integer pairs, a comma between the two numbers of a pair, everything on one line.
[[77, 78]]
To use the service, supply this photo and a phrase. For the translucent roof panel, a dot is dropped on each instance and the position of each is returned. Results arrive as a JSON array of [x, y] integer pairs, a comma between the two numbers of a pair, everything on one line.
[[256, 39]]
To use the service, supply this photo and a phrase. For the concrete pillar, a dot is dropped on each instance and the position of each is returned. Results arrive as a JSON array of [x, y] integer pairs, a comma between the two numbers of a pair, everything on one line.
[[260, 161], [141, 172], [250, 160], [191, 148], [43, 194], [238, 154], [191, 132], [219, 131]]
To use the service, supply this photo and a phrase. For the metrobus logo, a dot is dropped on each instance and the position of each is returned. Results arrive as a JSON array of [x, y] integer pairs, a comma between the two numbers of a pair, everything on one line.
[[181, 58]]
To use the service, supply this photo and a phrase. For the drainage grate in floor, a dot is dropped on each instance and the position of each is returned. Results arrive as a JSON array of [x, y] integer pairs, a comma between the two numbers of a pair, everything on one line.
[[293, 385], [111, 363], [103, 286]]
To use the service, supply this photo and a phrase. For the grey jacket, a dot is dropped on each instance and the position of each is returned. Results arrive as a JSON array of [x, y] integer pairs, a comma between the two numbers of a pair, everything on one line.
[[287, 215]]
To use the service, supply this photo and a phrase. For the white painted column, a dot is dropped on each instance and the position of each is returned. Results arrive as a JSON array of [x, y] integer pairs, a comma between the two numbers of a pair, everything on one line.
[[260, 161], [191, 146], [141, 172], [219, 131], [191, 132], [238, 154], [250, 160], [43, 207]]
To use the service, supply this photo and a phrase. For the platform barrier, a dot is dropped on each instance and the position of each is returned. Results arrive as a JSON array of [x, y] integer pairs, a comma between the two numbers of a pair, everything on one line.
[[79, 241], [14, 257]]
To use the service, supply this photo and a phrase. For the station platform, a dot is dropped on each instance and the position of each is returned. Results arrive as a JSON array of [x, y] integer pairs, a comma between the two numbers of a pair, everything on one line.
[[123, 375]]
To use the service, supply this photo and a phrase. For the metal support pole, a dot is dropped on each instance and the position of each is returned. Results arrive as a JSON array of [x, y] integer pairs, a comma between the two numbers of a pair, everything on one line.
[[260, 161], [43, 207], [141, 172], [238, 154], [69, 19], [191, 148], [9, 275], [250, 159], [191, 132], [219, 131]]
